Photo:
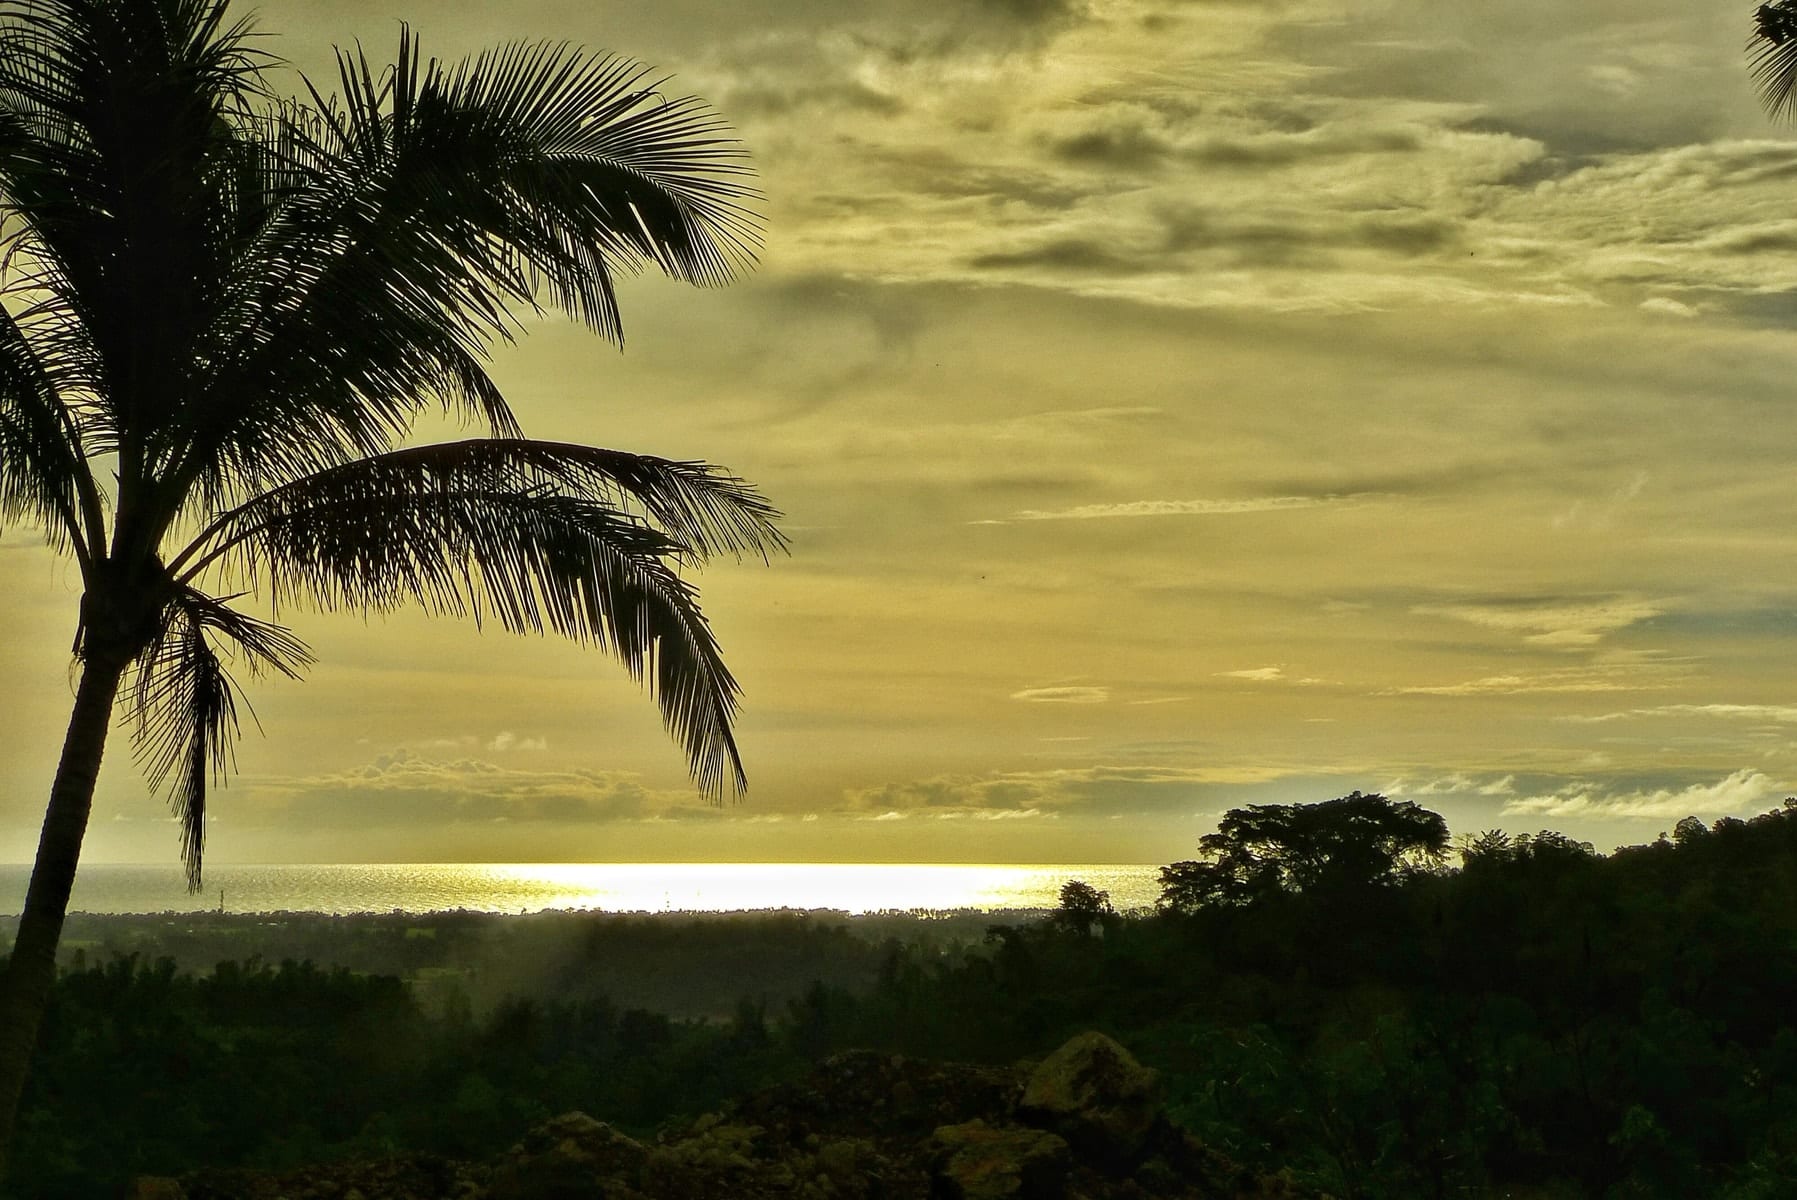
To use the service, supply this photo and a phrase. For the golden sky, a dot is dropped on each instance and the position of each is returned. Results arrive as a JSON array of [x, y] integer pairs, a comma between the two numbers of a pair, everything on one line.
[[1176, 404]]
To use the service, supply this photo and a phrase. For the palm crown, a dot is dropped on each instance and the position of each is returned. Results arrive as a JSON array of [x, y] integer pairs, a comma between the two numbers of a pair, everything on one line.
[[224, 313]]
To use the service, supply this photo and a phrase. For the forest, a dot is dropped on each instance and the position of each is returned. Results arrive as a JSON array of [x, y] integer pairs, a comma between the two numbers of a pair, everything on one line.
[[1335, 991]]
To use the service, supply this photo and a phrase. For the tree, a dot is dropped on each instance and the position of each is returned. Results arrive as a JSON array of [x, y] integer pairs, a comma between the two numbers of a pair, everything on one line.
[[1344, 845], [224, 312], [1081, 907]]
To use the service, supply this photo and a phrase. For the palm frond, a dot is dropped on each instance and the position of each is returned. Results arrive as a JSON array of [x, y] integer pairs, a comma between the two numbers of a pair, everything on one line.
[[492, 530], [44, 475], [534, 170], [184, 704], [1772, 53]]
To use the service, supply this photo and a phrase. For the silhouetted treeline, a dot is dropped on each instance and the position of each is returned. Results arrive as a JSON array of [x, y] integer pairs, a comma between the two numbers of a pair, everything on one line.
[[1532, 1020], [683, 964]]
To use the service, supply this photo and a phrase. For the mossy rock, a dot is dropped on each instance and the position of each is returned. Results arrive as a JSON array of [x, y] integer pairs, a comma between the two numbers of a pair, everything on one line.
[[1095, 1094], [977, 1161]]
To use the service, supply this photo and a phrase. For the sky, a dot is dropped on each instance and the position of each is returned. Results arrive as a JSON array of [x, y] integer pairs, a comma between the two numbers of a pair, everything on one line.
[[1175, 405]]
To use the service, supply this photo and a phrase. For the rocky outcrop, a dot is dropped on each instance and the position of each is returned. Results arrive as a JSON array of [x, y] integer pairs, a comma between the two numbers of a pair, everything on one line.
[[562, 1158], [976, 1161], [1093, 1093], [1084, 1124], [420, 1177]]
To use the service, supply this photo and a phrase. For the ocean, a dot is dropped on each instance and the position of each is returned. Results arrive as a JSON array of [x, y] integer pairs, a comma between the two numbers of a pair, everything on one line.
[[606, 887]]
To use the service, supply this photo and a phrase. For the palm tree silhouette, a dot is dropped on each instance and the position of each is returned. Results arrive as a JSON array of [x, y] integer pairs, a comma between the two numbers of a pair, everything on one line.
[[1773, 52], [223, 313]]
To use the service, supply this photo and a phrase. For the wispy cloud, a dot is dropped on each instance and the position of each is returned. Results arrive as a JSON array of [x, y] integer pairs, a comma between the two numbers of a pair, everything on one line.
[[1547, 683], [1178, 508], [507, 740], [1745, 791], [1091, 789], [1457, 784], [1783, 714], [1063, 695], [1268, 675], [401, 790], [1557, 624]]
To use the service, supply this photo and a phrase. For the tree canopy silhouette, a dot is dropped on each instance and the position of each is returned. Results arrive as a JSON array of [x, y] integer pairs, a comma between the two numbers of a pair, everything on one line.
[[1265, 850], [1081, 907], [223, 312]]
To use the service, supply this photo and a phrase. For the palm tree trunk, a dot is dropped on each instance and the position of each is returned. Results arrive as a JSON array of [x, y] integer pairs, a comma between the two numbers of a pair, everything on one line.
[[29, 975]]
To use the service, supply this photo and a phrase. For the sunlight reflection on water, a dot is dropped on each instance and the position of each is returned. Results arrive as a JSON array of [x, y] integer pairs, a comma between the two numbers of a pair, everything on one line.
[[609, 887]]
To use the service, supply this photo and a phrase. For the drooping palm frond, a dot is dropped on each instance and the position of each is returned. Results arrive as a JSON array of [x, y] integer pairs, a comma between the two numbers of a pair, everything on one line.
[[43, 470], [1773, 55], [184, 704], [705, 510], [494, 529]]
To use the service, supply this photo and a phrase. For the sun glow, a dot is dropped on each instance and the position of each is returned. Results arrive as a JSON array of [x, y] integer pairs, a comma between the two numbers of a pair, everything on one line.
[[605, 887]]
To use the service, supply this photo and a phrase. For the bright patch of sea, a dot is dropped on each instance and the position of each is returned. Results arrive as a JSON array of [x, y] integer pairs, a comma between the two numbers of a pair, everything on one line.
[[607, 887]]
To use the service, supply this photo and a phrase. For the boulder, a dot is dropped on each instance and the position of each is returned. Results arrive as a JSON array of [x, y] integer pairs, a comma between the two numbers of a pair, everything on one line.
[[571, 1157], [976, 1161], [1096, 1095]]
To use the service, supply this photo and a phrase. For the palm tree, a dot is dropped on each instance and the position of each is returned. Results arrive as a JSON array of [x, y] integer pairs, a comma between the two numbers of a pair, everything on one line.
[[221, 314], [1773, 52]]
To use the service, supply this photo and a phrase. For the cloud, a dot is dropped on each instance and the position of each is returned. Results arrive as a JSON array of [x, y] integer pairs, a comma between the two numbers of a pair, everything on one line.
[[399, 790], [1553, 623], [1457, 784], [1279, 148], [1268, 675], [1095, 789], [1744, 792], [507, 740], [1548, 683], [1064, 695], [1599, 74], [1783, 714], [1116, 137], [1178, 508], [949, 792], [1080, 254]]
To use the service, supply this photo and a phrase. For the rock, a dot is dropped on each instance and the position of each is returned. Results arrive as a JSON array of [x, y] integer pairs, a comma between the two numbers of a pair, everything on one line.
[[859, 1126], [840, 1160], [725, 1160], [975, 1161], [155, 1187], [867, 1095], [413, 1177], [1095, 1094], [564, 1159]]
